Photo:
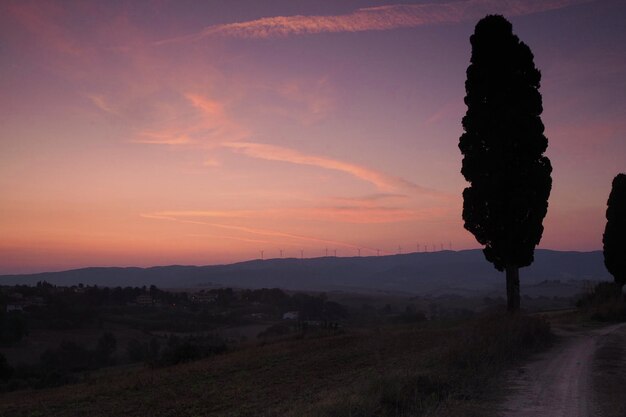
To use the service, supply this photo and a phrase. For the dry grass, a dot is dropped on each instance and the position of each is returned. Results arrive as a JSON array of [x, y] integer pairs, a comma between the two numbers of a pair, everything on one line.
[[426, 369], [609, 375]]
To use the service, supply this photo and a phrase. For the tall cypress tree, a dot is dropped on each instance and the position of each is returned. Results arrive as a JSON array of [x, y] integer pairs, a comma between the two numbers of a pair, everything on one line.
[[614, 238], [502, 149]]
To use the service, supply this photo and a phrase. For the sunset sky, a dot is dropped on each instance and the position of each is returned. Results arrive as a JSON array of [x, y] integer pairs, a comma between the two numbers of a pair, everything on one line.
[[200, 132]]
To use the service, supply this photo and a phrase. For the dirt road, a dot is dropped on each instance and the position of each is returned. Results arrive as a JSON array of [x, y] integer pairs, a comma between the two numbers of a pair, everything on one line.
[[564, 381]]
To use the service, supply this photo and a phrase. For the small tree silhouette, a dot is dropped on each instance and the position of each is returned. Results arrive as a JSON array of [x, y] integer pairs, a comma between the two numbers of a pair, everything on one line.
[[502, 149], [614, 238]]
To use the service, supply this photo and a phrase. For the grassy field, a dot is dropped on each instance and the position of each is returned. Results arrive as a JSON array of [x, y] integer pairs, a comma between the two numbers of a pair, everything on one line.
[[430, 368]]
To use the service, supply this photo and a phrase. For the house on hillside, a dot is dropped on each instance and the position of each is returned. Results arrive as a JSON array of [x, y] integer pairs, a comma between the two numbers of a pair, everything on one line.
[[291, 315], [203, 298], [34, 301], [144, 300], [14, 307]]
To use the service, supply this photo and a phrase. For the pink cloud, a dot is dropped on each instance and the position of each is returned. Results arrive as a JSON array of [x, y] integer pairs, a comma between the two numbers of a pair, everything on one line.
[[204, 213], [357, 214], [252, 230], [215, 123], [239, 239], [276, 153], [197, 120], [35, 18], [162, 138], [376, 18]]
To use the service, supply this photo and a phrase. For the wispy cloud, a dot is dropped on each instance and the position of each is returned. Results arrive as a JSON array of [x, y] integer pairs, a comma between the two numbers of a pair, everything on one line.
[[371, 199], [254, 231], [162, 138], [202, 122], [354, 213], [36, 19], [309, 100], [215, 122], [240, 239], [375, 18], [101, 103], [197, 120], [276, 153], [205, 213]]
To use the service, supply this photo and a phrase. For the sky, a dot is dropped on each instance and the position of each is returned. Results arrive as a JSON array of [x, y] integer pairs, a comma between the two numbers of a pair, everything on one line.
[[203, 132]]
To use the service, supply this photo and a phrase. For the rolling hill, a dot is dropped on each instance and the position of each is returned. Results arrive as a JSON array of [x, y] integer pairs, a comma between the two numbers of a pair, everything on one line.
[[461, 272]]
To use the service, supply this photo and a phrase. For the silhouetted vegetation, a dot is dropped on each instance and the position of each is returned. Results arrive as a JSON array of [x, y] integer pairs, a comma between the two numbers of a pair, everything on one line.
[[6, 371], [393, 370], [147, 352], [604, 303], [614, 238], [13, 327], [58, 366], [180, 350], [461, 372], [168, 328], [503, 148]]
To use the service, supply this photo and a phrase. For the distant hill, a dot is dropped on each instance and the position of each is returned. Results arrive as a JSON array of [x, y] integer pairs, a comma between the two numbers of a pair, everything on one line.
[[462, 272]]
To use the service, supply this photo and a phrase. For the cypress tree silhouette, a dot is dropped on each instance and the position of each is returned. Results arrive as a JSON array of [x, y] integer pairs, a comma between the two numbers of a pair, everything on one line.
[[614, 238], [502, 149]]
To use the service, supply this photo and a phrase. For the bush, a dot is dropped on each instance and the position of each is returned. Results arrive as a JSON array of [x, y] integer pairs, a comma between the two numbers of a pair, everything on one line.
[[604, 303], [496, 340], [58, 366], [276, 330], [462, 373], [5, 370], [189, 349], [69, 356], [409, 317], [12, 327], [147, 352], [106, 346]]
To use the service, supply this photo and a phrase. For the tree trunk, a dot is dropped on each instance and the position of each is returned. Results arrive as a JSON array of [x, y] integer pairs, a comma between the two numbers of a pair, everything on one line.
[[512, 289]]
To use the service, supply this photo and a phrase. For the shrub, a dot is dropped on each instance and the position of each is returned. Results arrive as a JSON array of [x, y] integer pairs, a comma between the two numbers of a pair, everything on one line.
[[147, 352], [276, 330], [105, 348], [409, 317], [496, 340], [12, 328], [69, 356], [5, 369], [179, 350], [604, 303]]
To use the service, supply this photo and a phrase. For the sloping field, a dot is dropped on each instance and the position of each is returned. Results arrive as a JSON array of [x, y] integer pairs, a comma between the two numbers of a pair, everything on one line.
[[395, 371]]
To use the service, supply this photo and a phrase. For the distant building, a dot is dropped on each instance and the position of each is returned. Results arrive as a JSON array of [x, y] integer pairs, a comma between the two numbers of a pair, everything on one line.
[[34, 301], [291, 315], [144, 300], [14, 307], [203, 298]]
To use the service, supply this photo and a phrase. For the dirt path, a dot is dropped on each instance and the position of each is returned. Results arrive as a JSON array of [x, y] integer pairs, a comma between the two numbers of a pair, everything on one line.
[[559, 383]]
